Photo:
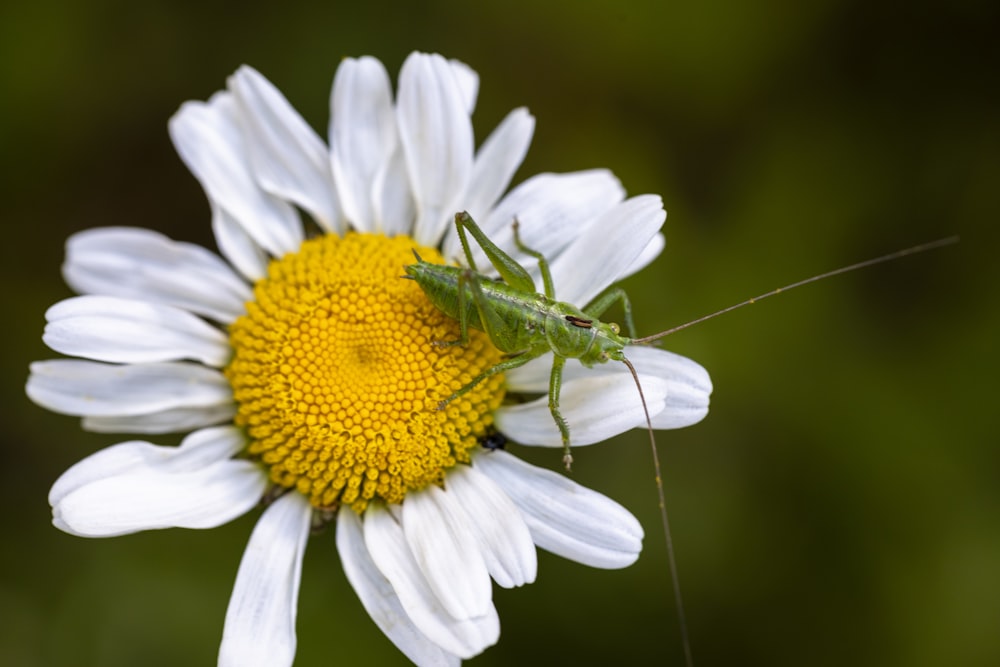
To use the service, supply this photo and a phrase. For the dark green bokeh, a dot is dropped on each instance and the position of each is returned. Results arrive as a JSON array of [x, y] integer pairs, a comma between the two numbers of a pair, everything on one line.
[[840, 503]]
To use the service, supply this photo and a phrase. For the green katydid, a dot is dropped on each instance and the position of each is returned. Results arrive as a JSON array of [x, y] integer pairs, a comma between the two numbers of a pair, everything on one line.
[[525, 324]]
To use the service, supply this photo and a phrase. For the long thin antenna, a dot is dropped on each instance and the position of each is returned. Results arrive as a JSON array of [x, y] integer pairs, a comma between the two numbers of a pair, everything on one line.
[[678, 601], [829, 274]]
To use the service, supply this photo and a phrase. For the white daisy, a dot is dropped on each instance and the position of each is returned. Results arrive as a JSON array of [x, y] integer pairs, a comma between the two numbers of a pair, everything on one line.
[[305, 363]]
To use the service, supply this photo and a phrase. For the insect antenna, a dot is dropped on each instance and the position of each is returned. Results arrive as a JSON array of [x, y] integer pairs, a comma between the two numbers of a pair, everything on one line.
[[829, 274], [675, 580]]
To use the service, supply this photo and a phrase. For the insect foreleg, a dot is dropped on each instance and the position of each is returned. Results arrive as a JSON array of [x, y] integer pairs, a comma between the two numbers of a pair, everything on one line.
[[543, 264], [605, 300], [513, 273], [555, 387], [502, 367]]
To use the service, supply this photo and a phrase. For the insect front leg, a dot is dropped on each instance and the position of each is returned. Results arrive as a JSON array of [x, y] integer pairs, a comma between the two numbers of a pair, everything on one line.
[[555, 386], [605, 300], [502, 367]]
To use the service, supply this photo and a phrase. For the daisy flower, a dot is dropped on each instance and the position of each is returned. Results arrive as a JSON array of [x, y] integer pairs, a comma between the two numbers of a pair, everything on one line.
[[304, 371]]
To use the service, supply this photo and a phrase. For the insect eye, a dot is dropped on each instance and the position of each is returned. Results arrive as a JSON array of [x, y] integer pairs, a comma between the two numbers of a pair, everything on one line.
[[614, 327]]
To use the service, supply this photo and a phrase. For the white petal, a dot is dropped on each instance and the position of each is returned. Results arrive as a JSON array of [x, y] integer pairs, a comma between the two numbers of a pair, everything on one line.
[[137, 486], [174, 420], [553, 209], [439, 538], [388, 549], [108, 328], [596, 407], [565, 518], [74, 387], [533, 377], [260, 620], [688, 385], [394, 208], [497, 525], [648, 254], [378, 597], [148, 501], [237, 246], [497, 160], [601, 254], [362, 135], [436, 134], [141, 264], [212, 141], [198, 450], [289, 159], [468, 83]]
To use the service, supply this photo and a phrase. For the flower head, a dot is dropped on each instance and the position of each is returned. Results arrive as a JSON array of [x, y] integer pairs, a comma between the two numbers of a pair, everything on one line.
[[306, 374]]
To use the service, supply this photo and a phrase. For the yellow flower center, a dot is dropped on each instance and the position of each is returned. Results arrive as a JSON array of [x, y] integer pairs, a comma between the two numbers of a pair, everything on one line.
[[338, 379]]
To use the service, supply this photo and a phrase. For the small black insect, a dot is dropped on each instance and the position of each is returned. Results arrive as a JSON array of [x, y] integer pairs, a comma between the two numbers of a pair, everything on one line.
[[493, 441]]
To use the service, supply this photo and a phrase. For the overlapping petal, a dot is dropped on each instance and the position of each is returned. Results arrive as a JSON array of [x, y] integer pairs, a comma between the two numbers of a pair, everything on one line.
[[260, 620], [137, 486], [436, 134], [564, 517], [379, 598], [144, 265], [119, 330]]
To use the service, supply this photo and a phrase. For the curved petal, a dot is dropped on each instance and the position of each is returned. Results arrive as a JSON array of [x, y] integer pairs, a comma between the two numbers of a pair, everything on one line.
[[442, 544], [601, 254], [648, 254], [394, 208], [141, 264], [260, 620], [112, 329], [436, 134], [136, 486], [198, 450], [211, 140], [565, 518], [173, 420], [497, 525], [237, 246], [468, 83], [388, 549], [74, 387], [497, 160], [596, 407], [379, 599], [362, 136], [688, 385], [552, 209], [289, 160]]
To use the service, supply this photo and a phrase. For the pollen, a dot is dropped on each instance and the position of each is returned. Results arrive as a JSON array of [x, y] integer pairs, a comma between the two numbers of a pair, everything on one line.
[[337, 375]]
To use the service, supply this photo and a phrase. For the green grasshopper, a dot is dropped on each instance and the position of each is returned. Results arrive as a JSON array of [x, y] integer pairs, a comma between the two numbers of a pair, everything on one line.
[[521, 322], [525, 325]]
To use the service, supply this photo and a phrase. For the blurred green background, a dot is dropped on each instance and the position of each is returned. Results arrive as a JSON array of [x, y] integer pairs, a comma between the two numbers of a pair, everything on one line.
[[841, 502]]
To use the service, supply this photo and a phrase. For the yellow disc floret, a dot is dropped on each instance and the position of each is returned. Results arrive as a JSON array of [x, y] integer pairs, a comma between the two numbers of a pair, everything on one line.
[[338, 379]]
